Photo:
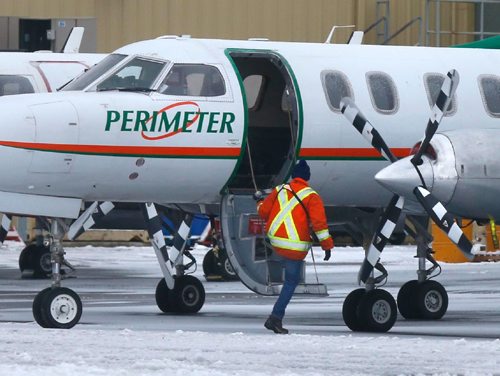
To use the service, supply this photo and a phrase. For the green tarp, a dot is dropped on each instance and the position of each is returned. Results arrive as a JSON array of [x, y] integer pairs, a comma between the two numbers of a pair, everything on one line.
[[491, 43]]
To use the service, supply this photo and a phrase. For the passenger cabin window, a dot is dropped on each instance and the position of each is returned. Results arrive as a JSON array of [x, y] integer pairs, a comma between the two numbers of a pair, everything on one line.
[[433, 83], [254, 88], [194, 80], [383, 92], [490, 92], [11, 85], [336, 86], [139, 74]]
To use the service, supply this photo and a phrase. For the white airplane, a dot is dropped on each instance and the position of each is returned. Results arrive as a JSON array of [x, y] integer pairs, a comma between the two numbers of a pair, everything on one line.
[[39, 72], [200, 125]]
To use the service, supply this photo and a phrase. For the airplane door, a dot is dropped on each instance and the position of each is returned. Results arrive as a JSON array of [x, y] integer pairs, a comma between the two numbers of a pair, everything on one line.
[[273, 129], [55, 123]]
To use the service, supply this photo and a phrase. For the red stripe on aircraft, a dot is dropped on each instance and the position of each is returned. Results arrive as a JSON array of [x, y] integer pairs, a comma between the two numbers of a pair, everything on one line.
[[160, 151], [349, 152]]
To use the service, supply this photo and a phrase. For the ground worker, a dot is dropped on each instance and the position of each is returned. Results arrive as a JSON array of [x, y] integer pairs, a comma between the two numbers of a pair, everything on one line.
[[290, 212]]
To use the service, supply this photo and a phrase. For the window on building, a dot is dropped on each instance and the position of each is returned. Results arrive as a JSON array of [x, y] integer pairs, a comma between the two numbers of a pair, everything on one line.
[[196, 80], [433, 83], [383, 92], [336, 86], [489, 86], [11, 85]]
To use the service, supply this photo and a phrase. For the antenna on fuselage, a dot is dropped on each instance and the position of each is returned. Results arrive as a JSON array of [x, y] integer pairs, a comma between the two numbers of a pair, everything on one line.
[[330, 36]]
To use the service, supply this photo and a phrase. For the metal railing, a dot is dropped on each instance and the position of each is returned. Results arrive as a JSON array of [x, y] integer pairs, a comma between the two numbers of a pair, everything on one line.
[[407, 26]]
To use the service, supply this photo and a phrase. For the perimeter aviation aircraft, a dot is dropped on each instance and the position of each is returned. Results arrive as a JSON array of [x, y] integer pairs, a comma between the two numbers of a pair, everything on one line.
[[199, 125]]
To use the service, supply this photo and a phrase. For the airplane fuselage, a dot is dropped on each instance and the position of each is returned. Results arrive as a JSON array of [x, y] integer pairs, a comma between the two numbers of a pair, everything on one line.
[[189, 147]]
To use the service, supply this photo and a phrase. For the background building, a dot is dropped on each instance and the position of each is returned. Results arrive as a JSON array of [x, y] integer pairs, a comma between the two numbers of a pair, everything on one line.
[[44, 24]]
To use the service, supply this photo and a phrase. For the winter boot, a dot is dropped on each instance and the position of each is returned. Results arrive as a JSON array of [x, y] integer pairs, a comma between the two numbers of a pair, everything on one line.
[[273, 323]]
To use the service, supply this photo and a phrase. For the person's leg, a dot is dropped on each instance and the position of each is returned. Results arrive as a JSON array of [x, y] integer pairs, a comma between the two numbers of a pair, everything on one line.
[[292, 277]]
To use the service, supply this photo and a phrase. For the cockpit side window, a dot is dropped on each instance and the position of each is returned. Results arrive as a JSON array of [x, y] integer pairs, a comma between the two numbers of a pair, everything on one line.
[[94, 72], [489, 86], [137, 74], [197, 80], [12, 84], [336, 86]]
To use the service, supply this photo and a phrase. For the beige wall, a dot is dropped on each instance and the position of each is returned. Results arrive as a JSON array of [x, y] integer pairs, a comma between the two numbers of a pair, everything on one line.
[[124, 21]]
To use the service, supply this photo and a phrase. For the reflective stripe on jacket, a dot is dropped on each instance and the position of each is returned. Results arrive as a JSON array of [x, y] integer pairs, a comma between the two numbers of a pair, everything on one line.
[[287, 223]]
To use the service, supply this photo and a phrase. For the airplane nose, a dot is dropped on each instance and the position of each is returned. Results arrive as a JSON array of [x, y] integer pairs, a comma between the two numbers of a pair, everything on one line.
[[401, 177]]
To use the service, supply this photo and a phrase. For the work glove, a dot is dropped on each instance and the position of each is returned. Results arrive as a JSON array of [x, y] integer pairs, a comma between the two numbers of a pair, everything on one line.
[[258, 195], [328, 254]]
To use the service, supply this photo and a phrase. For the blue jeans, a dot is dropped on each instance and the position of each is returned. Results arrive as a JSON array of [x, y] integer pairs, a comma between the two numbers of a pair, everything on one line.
[[292, 279]]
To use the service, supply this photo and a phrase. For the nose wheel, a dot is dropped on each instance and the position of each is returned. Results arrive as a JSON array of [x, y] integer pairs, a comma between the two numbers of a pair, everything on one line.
[[57, 307]]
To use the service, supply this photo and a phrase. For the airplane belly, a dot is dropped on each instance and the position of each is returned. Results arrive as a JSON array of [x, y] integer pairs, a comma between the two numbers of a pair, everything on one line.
[[143, 179]]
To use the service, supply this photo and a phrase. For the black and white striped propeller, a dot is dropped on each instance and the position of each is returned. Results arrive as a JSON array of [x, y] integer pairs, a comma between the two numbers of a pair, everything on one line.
[[431, 205]]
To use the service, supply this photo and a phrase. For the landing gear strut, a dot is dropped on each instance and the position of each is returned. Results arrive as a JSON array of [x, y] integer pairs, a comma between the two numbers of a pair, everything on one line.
[[56, 306], [177, 292]]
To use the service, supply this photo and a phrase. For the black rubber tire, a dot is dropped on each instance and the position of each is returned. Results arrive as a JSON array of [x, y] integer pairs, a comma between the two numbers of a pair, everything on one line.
[[163, 296], [432, 300], [42, 266], [210, 263], [377, 311], [188, 295], [407, 300], [37, 307], [37, 259], [350, 310], [52, 306], [226, 269]]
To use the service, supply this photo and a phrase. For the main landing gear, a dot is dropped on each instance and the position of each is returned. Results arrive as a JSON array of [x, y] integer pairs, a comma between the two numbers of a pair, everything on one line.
[[177, 292], [372, 309]]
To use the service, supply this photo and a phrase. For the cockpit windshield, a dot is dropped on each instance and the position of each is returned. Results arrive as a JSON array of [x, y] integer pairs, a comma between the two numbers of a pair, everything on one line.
[[94, 72], [139, 74], [136, 74]]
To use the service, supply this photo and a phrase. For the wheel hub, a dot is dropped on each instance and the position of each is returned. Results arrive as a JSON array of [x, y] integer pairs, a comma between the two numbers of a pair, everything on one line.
[[63, 308], [433, 301], [190, 295], [381, 311]]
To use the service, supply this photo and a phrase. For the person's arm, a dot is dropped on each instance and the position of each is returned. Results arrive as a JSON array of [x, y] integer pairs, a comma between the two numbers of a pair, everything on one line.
[[318, 221]]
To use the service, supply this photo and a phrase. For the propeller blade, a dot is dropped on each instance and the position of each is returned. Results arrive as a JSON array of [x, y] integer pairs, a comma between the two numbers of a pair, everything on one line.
[[443, 100], [356, 118], [384, 231], [4, 228], [444, 220]]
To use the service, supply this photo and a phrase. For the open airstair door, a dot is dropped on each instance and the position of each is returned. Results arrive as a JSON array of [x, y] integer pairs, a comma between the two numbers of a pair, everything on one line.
[[272, 137]]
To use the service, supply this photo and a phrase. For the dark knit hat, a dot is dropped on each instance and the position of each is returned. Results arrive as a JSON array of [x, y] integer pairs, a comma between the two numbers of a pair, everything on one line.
[[301, 170]]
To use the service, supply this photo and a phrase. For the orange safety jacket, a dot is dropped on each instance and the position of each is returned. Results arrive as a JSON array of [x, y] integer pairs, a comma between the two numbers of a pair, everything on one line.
[[287, 225]]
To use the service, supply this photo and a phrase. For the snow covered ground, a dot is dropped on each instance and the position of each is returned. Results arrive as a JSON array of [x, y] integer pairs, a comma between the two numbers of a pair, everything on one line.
[[122, 332]]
